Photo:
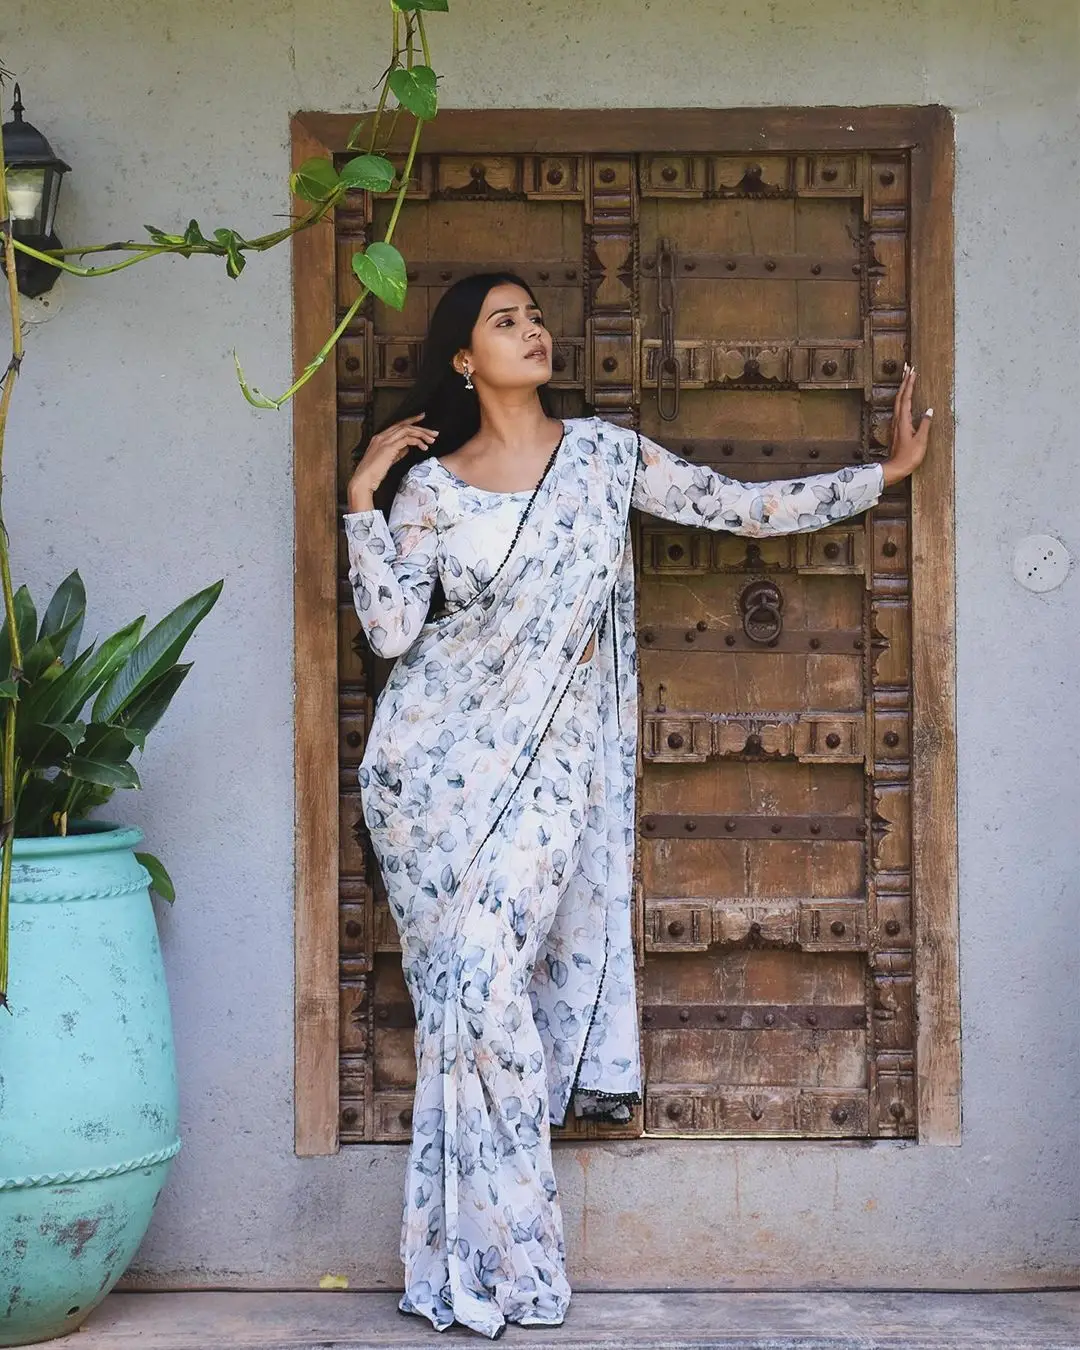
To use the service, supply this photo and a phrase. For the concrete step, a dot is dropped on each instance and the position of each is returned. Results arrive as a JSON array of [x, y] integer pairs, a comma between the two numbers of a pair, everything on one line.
[[597, 1321]]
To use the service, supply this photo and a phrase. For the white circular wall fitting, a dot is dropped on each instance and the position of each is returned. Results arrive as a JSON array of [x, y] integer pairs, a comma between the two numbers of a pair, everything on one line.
[[44, 307], [35, 311], [1040, 562]]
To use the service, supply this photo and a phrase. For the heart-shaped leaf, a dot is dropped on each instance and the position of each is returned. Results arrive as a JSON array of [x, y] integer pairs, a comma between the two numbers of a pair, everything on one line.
[[381, 268], [371, 172], [315, 180], [232, 243], [415, 89], [194, 235]]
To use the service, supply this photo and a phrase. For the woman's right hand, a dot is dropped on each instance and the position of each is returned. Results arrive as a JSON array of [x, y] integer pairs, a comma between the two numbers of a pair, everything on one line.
[[383, 452]]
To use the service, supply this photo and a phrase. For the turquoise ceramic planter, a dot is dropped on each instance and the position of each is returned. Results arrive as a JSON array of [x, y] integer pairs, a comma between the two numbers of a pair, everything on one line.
[[88, 1103]]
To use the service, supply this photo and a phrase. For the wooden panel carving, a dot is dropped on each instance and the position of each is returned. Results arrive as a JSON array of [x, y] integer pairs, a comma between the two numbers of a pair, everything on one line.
[[776, 918], [776, 815], [612, 380]]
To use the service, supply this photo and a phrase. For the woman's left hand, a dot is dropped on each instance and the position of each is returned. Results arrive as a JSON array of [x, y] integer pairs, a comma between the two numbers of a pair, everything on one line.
[[908, 447]]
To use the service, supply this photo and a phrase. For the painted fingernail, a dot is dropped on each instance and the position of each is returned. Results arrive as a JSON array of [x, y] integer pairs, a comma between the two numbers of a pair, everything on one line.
[[929, 412]]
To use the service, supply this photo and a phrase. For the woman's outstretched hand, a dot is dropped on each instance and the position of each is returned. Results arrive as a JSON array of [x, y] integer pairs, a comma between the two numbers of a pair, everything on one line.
[[908, 447], [383, 452]]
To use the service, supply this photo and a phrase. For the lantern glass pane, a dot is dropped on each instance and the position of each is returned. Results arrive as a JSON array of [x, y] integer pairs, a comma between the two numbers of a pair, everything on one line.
[[26, 194], [51, 195]]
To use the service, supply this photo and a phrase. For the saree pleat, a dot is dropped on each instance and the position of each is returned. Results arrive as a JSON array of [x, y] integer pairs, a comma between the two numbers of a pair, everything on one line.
[[482, 1099], [498, 790]]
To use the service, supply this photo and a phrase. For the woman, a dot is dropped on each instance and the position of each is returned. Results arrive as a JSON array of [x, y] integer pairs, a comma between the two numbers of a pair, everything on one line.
[[498, 778]]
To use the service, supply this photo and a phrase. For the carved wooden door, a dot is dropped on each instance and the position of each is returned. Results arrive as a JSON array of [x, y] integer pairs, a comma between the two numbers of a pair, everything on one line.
[[750, 313]]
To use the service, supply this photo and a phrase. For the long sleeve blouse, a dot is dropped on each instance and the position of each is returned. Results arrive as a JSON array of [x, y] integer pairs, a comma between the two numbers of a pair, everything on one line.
[[393, 565]]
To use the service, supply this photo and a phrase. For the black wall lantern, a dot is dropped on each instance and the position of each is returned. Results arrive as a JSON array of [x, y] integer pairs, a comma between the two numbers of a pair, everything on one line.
[[33, 187]]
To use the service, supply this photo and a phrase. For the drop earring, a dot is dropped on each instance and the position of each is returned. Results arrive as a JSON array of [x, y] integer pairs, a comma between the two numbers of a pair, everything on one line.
[[468, 378]]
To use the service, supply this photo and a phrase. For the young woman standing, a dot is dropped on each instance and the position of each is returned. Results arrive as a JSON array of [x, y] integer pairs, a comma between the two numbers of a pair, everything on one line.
[[498, 778]]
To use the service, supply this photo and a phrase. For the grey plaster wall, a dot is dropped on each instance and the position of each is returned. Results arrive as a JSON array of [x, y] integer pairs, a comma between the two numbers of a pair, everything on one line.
[[133, 457]]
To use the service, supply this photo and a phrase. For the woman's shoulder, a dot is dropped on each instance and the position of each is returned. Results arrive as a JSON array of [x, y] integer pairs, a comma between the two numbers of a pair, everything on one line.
[[424, 476], [600, 429], [608, 437], [418, 491]]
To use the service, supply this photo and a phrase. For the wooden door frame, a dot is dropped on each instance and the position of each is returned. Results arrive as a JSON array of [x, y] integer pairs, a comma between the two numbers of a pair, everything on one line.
[[927, 132]]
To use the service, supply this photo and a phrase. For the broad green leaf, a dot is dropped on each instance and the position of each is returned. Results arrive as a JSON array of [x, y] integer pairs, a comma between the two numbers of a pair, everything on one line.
[[39, 658], [66, 694], [415, 89], [160, 880], [145, 709], [107, 743], [46, 652], [9, 689], [25, 626], [104, 775], [26, 623], [54, 698], [315, 180], [45, 745], [34, 806], [371, 172], [72, 732], [441, 6], [155, 653], [381, 268], [69, 600]]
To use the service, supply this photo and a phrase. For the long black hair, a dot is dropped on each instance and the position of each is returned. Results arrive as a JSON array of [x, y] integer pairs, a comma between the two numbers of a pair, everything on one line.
[[439, 391]]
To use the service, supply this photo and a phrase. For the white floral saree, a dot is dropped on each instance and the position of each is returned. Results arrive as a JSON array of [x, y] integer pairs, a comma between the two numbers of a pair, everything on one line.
[[498, 789]]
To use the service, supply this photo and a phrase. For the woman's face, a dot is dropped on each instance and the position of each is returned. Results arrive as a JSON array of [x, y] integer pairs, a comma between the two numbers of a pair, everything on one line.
[[511, 347]]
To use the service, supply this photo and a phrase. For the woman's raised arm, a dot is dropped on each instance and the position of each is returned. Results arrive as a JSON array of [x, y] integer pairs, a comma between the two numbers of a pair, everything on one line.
[[693, 494], [393, 566]]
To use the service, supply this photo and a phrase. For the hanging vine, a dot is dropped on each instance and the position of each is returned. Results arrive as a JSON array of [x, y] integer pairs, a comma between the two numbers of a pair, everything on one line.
[[409, 85]]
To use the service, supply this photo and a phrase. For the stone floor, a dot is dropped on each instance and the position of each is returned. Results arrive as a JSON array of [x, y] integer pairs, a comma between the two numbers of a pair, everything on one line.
[[638, 1321]]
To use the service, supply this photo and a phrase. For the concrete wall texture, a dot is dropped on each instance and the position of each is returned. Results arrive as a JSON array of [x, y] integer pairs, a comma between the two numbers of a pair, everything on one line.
[[133, 457]]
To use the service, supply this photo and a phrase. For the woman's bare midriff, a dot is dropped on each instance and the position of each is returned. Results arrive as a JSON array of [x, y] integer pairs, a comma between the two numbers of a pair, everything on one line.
[[586, 655]]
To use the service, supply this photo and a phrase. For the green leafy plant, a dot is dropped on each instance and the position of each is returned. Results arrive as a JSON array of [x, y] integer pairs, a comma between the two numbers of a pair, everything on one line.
[[70, 758], [56, 762]]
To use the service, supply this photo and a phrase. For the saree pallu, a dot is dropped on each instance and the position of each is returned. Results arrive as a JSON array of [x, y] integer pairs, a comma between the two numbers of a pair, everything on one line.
[[498, 790]]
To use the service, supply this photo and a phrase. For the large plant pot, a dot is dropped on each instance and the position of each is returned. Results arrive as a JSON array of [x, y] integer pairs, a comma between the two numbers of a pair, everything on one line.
[[88, 1102]]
